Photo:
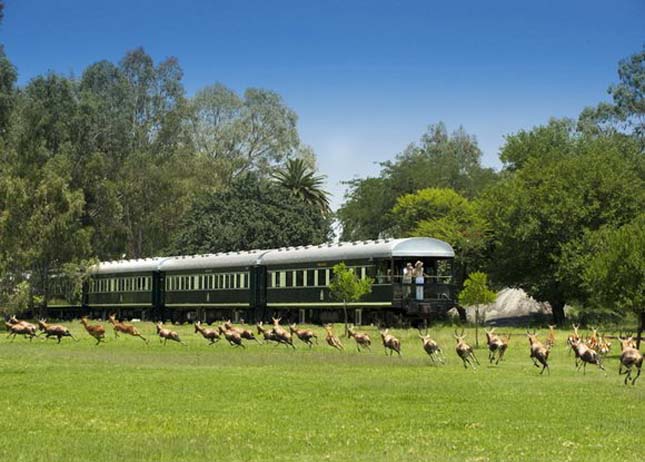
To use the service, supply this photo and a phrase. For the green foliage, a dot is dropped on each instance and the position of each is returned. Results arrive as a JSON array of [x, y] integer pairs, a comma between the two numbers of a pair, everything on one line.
[[303, 183], [578, 184], [439, 160], [627, 112], [253, 214], [347, 286], [77, 274], [447, 215], [15, 298], [614, 270], [476, 291]]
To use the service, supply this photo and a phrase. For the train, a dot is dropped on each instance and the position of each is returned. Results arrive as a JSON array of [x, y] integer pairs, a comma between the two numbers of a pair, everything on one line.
[[254, 285]]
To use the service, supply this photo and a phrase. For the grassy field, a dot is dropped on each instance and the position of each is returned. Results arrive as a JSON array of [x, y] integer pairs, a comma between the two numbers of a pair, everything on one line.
[[125, 400]]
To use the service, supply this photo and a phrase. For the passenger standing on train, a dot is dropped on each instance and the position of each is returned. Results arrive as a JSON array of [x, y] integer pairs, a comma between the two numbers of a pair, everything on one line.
[[408, 273], [419, 279]]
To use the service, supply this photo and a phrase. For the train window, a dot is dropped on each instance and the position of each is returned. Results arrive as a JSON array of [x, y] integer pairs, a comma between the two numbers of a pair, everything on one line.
[[283, 278], [300, 278], [289, 279], [238, 280], [310, 278], [243, 281], [322, 277], [363, 272]]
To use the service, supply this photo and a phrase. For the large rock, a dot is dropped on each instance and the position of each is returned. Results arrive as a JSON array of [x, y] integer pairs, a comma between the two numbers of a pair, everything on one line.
[[511, 306]]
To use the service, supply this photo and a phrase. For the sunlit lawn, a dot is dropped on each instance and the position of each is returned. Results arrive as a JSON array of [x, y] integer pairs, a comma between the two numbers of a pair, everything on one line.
[[125, 400]]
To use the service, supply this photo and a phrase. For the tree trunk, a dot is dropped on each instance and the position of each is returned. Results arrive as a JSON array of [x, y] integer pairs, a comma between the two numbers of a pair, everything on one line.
[[558, 312], [477, 326], [346, 320], [641, 327]]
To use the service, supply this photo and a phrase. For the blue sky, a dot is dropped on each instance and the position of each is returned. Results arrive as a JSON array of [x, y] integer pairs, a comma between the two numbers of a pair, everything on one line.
[[365, 77]]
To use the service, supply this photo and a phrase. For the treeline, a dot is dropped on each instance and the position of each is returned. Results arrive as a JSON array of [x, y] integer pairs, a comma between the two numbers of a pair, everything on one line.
[[120, 163], [564, 219]]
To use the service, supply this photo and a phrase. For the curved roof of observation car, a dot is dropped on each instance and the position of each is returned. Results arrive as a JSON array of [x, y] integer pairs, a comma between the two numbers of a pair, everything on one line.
[[381, 248], [360, 250]]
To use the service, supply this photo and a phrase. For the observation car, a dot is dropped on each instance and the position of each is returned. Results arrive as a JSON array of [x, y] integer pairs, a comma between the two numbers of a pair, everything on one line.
[[292, 282]]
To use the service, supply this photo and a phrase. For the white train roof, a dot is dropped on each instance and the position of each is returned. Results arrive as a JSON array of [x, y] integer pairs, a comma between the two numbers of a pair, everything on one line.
[[382, 248], [217, 260]]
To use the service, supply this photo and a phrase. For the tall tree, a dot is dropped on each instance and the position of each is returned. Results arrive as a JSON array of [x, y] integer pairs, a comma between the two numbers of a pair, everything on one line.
[[303, 183], [253, 133], [626, 112], [476, 293], [439, 160], [562, 189], [253, 214]]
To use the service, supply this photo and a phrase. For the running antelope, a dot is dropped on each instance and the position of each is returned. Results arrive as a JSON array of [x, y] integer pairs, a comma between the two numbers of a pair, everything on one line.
[[304, 335], [95, 330], [167, 334], [390, 342], [585, 355], [331, 338], [432, 348], [496, 346], [629, 357], [125, 328], [280, 332], [211, 335], [592, 341], [20, 329], [465, 351], [232, 337], [244, 333], [54, 330], [267, 335], [539, 353], [550, 339], [362, 340], [574, 335], [14, 321]]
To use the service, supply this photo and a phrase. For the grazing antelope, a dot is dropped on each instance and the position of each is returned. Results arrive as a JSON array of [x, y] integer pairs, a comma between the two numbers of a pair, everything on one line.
[[465, 351], [585, 355], [20, 329], [304, 335], [167, 334], [331, 338], [539, 353], [54, 330], [211, 335], [390, 342], [629, 357], [550, 339], [432, 348], [125, 328], [496, 346], [267, 335], [362, 340], [280, 332], [95, 330], [232, 337]]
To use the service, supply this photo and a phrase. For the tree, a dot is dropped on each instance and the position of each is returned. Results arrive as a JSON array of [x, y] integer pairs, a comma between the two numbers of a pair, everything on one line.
[[476, 293], [614, 270], [303, 183], [627, 111], [439, 160], [253, 133], [253, 214], [559, 191], [445, 214], [348, 287]]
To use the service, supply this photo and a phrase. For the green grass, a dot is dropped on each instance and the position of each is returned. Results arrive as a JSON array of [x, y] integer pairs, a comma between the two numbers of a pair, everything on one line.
[[124, 400]]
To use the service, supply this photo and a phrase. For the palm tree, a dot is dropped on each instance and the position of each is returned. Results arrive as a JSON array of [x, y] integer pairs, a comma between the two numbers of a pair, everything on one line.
[[302, 181]]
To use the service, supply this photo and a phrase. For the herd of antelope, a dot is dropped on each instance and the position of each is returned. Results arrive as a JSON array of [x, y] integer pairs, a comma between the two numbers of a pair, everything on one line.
[[589, 350]]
